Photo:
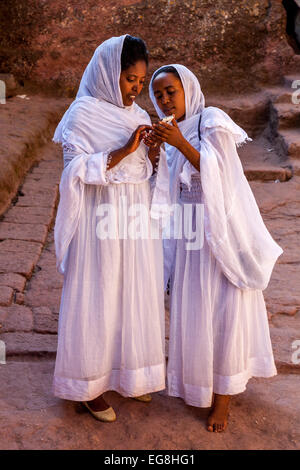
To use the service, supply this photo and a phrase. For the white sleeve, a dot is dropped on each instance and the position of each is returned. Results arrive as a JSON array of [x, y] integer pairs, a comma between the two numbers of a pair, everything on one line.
[[95, 164], [80, 168], [234, 227]]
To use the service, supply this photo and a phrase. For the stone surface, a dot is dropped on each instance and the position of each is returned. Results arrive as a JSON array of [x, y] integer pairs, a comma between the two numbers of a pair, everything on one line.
[[267, 173], [32, 215], [289, 141], [24, 265], [243, 42], [45, 197], [285, 334], [11, 85], [42, 296], [22, 138], [44, 320], [288, 115], [22, 344], [23, 231], [16, 318], [250, 111], [19, 298], [6, 295], [265, 416], [20, 246], [16, 281]]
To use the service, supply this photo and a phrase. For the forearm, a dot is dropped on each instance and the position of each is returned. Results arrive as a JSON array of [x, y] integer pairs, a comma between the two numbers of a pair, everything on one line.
[[190, 153], [153, 155], [116, 156]]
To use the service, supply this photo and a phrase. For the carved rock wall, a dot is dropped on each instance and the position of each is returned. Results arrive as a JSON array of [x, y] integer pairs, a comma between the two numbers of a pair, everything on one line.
[[232, 45]]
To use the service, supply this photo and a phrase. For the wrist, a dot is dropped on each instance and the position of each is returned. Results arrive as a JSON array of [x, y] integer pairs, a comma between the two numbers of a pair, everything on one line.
[[126, 150], [182, 145]]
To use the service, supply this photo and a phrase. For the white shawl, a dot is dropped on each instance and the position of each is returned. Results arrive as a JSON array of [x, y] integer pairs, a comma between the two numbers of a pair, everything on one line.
[[97, 122], [233, 225]]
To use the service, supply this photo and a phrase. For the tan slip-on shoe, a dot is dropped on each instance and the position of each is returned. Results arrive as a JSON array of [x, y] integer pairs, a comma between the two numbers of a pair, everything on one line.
[[108, 415], [144, 398]]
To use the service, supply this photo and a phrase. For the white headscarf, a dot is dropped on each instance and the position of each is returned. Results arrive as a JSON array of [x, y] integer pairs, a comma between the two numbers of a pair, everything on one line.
[[234, 227], [100, 78], [194, 98]]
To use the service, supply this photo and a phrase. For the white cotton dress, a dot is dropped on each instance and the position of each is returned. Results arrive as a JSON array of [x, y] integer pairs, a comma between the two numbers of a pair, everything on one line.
[[111, 319], [219, 332]]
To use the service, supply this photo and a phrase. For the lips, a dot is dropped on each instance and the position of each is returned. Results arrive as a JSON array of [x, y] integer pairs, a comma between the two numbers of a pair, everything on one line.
[[168, 111]]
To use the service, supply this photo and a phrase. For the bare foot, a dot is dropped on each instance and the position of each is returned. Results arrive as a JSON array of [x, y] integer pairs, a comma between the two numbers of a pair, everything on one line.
[[217, 419], [98, 404]]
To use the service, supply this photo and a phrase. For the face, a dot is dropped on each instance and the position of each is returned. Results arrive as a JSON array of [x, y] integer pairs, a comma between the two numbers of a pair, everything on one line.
[[169, 95], [132, 81]]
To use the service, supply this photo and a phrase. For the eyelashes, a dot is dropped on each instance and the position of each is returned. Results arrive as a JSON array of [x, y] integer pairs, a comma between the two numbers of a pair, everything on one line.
[[170, 93], [132, 81]]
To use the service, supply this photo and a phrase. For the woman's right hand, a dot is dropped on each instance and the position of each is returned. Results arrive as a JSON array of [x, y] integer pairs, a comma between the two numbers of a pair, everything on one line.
[[117, 155], [136, 138]]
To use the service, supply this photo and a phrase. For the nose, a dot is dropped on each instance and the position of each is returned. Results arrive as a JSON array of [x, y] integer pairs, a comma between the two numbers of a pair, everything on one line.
[[165, 98]]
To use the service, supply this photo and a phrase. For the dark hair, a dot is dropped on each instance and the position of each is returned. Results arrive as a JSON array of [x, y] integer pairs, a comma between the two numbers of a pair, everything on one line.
[[167, 69], [134, 49]]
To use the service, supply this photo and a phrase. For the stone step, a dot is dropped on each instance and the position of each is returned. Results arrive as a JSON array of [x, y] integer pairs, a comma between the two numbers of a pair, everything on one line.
[[288, 143], [282, 94], [10, 86], [294, 65], [290, 81], [285, 115], [267, 173], [296, 167], [29, 344], [251, 112], [261, 163]]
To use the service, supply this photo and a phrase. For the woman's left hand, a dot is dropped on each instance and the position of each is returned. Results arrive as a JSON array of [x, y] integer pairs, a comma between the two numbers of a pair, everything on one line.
[[150, 139], [168, 133]]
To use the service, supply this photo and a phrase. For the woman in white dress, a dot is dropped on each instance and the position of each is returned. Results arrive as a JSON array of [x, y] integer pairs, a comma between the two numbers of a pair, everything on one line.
[[110, 333], [219, 332]]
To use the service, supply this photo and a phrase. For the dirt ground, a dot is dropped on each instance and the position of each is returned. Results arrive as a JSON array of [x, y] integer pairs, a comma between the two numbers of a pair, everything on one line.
[[265, 416]]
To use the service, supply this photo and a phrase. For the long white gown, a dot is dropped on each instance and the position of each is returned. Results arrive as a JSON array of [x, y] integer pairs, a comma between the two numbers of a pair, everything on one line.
[[111, 321], [111, 318], [219, 332]]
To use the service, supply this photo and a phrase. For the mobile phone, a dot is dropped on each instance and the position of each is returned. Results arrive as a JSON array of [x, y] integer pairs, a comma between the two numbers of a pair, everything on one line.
[[168, 119]]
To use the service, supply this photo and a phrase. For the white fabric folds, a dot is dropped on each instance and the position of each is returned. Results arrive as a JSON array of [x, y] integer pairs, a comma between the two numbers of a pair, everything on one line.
[[234, 227], [110, 337], [97, 127], [219, 332], [99, 124]]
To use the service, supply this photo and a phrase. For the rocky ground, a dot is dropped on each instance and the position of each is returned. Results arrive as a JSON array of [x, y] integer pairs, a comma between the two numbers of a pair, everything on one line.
[[265, 416]]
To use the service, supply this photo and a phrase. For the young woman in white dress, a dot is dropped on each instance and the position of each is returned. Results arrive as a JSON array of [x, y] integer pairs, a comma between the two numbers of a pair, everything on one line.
[[110, 335], [219, 332]]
